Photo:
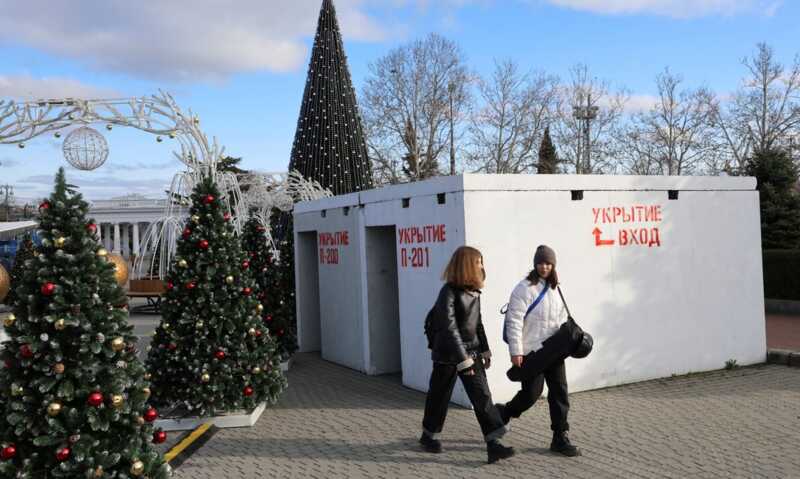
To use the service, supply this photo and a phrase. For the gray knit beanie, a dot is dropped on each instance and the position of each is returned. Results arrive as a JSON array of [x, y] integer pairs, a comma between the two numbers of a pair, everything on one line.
[[544, 254]]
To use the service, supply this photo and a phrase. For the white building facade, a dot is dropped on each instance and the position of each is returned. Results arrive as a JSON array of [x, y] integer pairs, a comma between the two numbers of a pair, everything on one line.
[[122, 221], [664, 272]]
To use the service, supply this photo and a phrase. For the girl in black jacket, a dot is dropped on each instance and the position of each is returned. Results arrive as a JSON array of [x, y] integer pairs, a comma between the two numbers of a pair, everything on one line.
[[460, 348]]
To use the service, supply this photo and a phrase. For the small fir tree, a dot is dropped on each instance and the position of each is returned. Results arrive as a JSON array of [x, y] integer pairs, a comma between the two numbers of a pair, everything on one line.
[[780, 202], [25, 252], [211, 352], [73, 394], [276, 284], [548, 159]]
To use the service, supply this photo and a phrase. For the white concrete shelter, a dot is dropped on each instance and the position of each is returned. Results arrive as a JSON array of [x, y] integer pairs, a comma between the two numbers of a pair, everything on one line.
[[664, 272]]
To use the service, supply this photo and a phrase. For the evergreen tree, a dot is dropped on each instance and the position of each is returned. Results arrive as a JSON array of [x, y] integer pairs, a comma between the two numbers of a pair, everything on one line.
[[25, 251], [548, 159], [276, 283], [780, 202], [73, 394], [211, 352], [329, 144]]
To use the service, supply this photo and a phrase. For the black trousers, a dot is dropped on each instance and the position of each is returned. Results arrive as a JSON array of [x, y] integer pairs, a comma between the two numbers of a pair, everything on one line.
[[556, 378], [443, 378]]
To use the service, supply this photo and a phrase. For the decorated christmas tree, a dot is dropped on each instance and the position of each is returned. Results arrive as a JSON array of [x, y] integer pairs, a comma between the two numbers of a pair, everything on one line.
[[25, 251], [74, 395], [211, 353], [274, 286], [329, 142]]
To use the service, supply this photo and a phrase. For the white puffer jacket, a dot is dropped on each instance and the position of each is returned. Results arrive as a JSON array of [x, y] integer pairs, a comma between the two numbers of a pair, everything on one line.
[[525, 334]]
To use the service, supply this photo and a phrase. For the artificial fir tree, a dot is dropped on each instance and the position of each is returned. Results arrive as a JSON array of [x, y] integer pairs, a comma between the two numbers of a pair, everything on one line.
[[74, 395], [329, 144], [548, 159], [275, 284], [777, 176], [212, 353], [25, 251]]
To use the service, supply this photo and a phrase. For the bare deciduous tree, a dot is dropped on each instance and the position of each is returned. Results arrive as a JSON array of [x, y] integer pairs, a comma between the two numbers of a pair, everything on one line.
[[675, 136], [406, 107], [764, 113], [506, 130], [568, 133]]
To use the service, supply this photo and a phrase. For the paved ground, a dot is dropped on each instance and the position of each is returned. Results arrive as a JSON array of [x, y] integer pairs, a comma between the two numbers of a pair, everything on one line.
[[336, 423], [783, 332]]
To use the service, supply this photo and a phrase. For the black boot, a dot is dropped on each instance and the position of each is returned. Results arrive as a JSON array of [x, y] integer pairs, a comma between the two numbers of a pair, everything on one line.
[[498, 451], [501, 408], [562, 445], [430, 444]]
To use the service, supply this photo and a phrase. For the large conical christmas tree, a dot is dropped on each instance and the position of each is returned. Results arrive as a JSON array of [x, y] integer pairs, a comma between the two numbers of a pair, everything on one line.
[[25, 251], [329, 143], [73, 393], [275, 283], [211, 352]]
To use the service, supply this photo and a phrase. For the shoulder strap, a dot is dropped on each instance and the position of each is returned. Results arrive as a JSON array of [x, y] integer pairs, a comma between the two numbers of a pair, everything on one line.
[[564, 301], [538, 299]]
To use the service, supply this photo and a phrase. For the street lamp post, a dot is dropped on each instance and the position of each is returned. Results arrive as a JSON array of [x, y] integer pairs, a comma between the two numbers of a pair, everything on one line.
[[450, 89], [584, 113]]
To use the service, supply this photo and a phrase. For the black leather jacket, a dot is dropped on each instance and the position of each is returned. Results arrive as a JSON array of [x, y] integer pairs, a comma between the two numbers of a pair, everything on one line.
[[458, 328]]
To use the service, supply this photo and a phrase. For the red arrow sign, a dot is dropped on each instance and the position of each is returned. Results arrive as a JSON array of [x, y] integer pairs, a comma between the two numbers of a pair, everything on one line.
[[597, 241]]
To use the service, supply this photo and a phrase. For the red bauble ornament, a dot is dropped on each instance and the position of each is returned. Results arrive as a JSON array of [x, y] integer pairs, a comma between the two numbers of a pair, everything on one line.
[[44, 205], [280, 332], [252, 254], [226, 217], [268, 318], [220, 355], [159, 437], [8, 452], [208, 199], [190, 285], [245, 264], [172, 346], [150, 415], [186, 233], [260, 229], [248, 391], [95, 399], [170, 285], [247, 291], [203, 244], [25, 351], [92, 228], [258, 333], [63, 454], [48, 289]]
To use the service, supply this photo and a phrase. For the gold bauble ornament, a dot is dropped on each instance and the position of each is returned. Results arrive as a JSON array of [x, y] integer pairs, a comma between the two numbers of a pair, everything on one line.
[[54, 409], [195, 218], [102, 252], [117, 400], [182, 263], [118, 344], [120, 268], [205, 378], [9, 321], [147, 376], [229, 279], [98, 472], [140, 420], [260, 308], [137, 468], [251, 331], [60, 241], [60, 324], [5, 283], [199, 324], [16, 390], [146, 392], [58, 368], [256, 370]]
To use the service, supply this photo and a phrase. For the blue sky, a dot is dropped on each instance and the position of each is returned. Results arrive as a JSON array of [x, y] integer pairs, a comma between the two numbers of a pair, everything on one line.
[[241, 65]]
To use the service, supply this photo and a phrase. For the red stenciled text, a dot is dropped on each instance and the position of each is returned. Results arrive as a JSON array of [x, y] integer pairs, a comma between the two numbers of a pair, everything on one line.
[[329, 244], [419, 256]]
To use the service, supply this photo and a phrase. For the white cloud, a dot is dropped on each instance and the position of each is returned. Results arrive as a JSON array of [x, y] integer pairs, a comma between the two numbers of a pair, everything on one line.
[[640, 103], [184, 40], [673, 8], [26, 87]]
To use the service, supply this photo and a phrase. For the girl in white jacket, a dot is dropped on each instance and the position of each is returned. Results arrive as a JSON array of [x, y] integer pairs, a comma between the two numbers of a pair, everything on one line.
[[525, 331]]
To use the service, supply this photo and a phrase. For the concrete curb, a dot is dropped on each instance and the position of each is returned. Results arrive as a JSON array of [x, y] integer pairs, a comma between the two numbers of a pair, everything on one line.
[[784, 357], [782, 306]]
